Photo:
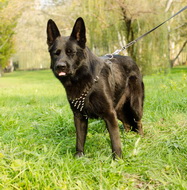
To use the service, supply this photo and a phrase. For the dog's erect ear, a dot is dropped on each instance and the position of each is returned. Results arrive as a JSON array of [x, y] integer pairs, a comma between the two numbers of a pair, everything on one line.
[[52, 32], [79, 32]]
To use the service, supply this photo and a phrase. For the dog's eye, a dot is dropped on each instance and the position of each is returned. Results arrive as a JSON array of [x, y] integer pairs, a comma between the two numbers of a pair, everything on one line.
[[58, 52], [69, 52]]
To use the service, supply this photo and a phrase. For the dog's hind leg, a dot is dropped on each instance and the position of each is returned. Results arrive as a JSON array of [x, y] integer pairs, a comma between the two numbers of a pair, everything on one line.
[[81, 125], [121, 109], [123, 119], [130, 113]]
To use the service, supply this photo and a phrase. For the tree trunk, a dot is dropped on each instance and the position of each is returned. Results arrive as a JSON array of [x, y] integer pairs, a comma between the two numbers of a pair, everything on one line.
[[129, 30], [172, 61]]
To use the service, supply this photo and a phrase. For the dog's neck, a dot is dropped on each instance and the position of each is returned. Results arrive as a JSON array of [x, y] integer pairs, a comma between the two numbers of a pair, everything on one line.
[[81, 83]]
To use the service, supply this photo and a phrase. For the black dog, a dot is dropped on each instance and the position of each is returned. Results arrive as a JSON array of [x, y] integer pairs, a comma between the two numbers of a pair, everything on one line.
[[110, 89]]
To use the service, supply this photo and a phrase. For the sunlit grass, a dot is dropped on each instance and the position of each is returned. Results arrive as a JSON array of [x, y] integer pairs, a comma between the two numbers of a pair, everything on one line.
[[37, 138]]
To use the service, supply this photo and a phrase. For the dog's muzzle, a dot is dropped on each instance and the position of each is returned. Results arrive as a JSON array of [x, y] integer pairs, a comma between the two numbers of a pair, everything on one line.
[[61, 69]]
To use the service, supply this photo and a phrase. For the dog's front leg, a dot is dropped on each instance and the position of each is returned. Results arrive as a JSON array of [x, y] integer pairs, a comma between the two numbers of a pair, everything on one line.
[[81, 125], [113, 129]]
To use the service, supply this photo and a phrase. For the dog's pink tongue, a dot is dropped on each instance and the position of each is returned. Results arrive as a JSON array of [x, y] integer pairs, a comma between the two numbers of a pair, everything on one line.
[[62, 74]]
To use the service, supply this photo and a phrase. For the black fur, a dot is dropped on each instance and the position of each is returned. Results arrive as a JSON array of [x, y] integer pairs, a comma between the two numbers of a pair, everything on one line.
[[96, 87]]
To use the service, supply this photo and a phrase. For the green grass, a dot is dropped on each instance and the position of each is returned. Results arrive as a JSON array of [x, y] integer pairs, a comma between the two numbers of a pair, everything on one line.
[[37, 138]]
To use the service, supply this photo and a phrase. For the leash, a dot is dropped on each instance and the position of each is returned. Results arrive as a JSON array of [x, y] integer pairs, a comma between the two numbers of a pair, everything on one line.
[[137, 39]]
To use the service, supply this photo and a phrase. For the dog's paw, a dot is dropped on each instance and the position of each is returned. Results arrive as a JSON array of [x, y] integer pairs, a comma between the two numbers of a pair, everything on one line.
[[79, 154]]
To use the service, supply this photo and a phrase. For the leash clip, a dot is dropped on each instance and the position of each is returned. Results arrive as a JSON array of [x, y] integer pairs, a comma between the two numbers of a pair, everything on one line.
[[111, 56]]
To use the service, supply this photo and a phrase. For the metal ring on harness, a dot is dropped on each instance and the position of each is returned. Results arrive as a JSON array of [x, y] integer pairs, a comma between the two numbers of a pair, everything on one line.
[[110, 56]]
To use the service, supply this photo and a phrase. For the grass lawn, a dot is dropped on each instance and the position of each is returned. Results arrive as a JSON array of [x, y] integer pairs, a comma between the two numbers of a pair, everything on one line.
[[37, 138]]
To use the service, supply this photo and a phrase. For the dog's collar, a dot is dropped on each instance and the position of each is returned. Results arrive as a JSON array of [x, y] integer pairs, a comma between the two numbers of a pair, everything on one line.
[[79, 102]]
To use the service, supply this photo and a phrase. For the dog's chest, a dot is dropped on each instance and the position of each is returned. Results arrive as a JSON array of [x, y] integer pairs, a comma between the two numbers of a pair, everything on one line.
[[83, 105], [79, 103]]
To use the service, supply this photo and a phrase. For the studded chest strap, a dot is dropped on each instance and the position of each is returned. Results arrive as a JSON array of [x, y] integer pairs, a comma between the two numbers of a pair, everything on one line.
[[79, 102]]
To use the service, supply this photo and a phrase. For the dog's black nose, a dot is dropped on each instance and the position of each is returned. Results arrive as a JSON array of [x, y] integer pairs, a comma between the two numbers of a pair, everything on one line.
[[61, 66]]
